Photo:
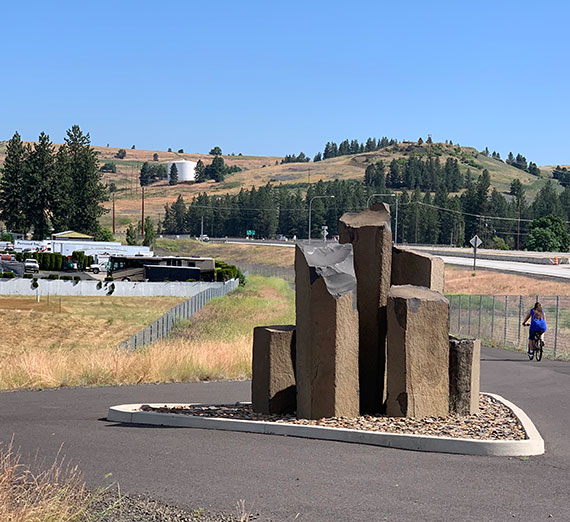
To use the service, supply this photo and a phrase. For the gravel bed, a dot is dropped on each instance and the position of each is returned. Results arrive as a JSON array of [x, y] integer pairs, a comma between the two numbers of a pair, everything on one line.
[[111, 506], [494, 421]]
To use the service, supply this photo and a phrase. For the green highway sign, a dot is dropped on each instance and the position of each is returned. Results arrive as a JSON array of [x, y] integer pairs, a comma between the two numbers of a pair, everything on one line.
[[250, 232]]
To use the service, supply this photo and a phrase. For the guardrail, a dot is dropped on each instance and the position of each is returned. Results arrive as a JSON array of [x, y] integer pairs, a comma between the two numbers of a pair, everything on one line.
[[160, 328], [497, 319]]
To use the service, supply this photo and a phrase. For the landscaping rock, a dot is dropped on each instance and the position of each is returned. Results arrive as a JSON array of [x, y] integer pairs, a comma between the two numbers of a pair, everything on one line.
[[371, 238], [464, 375], [417, 353], [273, 387], [327, 331]]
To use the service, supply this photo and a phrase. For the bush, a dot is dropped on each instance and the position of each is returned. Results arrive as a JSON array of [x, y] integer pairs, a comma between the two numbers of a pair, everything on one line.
[[35, 283], [65, 278], [53, 276], [109, 278], [8, 275], [121, 154], [76, 278], [28, 276]]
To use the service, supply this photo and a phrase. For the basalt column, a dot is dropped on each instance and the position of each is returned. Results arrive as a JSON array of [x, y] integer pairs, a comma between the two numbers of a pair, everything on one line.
[[418, 353], [370, 234], [326, 330]]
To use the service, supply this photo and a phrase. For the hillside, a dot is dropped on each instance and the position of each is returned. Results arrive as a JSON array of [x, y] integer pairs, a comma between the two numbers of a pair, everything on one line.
[[259, 170]]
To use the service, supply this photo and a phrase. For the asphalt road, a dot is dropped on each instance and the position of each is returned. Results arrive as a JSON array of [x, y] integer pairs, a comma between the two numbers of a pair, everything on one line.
[[286, 479]]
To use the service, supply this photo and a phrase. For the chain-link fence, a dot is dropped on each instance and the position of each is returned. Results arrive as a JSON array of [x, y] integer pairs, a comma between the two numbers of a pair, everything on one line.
[[497, 319], [284, 272], [160, 328]]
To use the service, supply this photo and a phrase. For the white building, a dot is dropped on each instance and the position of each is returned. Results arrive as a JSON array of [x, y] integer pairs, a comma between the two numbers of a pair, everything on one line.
[[186, 170]]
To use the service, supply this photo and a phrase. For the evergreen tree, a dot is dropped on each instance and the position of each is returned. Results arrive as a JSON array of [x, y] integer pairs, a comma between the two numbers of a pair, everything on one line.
[[144, 177], [510, 159], [155, 157], [131, 235], [86, 183], [149, 232], [200, 172], [547, 202], [12, 211], [317, 157], [216, 151], [548, 234], [39, 184], [173, 178], [217, 169]]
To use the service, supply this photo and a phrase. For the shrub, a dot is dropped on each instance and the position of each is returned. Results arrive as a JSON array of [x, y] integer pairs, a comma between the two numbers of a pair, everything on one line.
[[121, 154], [109, 278], [35, 283], [28, 276], [53, 276], [65, 278], [8, 275], [77, 278]]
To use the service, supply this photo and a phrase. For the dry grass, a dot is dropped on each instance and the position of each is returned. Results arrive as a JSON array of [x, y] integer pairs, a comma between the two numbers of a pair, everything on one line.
[[231, 252], [54, 495], [215, 344], [462, 281]]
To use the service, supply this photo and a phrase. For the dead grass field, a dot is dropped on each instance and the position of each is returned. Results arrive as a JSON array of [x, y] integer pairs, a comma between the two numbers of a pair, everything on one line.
[[42, 347], [462, 281]]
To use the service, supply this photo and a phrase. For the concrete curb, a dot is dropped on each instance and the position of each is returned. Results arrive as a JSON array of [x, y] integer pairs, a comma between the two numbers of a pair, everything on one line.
[[533, 445]]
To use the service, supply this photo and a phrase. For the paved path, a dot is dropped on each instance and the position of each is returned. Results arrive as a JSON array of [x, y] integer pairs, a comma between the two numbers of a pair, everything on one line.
[[279, 477], [555, 271]]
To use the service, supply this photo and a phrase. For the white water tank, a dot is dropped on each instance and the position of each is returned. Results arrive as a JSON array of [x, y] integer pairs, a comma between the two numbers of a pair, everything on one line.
[[186, 170]]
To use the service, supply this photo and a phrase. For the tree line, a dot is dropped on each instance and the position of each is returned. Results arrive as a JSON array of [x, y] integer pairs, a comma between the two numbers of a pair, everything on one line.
[[44, 189], [423, 217]]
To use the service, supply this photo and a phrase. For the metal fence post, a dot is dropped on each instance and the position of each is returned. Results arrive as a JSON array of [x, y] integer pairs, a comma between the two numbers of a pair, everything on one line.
[[520, 318], [556, 325], [493, 318], [459, 315], [480, 313], [469, 316], [506, 320]]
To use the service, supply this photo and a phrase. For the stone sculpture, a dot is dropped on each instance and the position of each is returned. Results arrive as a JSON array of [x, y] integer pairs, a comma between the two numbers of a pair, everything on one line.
[[273, 389], [370, 234], [416, 268], [417, 353], [326, 331], [464, 375]]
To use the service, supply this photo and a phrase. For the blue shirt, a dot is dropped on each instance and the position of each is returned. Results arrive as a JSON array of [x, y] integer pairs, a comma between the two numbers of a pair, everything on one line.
[[537, 324]]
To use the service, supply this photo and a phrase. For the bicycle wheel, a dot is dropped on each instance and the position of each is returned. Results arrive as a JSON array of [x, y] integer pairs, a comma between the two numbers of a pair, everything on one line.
[[538, 349]]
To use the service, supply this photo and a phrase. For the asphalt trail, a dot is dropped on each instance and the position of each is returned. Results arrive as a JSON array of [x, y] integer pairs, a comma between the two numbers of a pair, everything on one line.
[[286, 479]]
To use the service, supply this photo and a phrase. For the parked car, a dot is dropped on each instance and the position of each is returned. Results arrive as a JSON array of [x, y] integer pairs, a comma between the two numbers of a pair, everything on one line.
[[98, 267], [31, 265], [203, 237]]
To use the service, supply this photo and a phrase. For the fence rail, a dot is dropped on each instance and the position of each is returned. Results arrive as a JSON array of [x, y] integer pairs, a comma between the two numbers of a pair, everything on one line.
[[160, 328], [498, 319]]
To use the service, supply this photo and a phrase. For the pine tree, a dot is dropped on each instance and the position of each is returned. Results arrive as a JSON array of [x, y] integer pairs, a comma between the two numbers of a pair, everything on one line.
[[510, 159], [131, 235], [149, 232], [317, 157], [86, 182], [173, 178], [200, 172], [12, 210], [144, 177]]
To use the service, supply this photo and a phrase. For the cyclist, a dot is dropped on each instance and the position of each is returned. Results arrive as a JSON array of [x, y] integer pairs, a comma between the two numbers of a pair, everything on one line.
[[537, 324]]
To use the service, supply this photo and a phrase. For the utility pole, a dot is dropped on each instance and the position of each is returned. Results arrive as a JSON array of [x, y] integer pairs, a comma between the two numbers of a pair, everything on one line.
[[142, 210], [519, 225], [202, 226], [113, 213]]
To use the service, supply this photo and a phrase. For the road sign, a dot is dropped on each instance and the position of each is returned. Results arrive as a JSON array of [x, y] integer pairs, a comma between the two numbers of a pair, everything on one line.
[[476, 241], [250, 232]]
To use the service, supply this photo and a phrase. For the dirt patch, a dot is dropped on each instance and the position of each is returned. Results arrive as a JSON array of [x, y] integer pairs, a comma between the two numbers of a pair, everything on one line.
[[462, 281]]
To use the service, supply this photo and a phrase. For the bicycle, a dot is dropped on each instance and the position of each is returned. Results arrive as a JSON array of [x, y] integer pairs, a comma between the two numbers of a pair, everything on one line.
[[537, 345]]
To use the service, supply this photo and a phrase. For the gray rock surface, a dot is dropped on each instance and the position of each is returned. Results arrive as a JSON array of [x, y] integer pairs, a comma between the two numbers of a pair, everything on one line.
[[418, 353], [273, 387], [419, 269], [371, 238], [327, 331], [464, 375]]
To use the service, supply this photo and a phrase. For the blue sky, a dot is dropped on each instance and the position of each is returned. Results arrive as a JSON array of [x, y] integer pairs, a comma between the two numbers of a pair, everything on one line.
[[275, 78]]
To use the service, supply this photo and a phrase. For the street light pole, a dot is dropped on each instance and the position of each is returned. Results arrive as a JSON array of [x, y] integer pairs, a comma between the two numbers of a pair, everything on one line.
[[310, 209], [396, 219]]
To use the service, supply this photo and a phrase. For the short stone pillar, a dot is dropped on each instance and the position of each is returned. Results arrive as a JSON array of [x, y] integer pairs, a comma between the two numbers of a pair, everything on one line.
[[417, 353], [415, 268], [327, 331], [273, 388], [370, 234], [464, 375]]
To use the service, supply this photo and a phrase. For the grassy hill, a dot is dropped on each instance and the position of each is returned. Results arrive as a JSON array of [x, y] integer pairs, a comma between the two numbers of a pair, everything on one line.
[[259, 170]]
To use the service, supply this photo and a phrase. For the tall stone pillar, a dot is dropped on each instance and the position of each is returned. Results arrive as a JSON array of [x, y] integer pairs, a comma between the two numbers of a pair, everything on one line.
[[370, 234], [416, 268], [327, 331], [464, 375], [273, 377], [418, 353]]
